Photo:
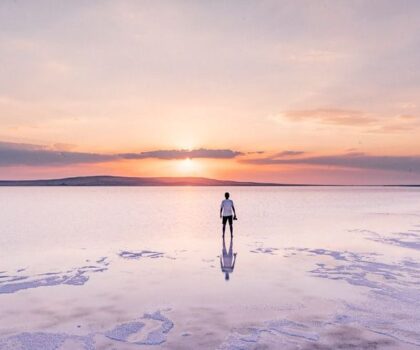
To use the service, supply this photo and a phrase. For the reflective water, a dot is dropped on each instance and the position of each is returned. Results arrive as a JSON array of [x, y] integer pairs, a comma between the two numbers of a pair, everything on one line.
[[146, 268]]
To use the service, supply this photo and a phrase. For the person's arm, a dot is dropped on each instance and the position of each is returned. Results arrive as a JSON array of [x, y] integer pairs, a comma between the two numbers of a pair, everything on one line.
[[234, 261], [234, 211], [221, 210]]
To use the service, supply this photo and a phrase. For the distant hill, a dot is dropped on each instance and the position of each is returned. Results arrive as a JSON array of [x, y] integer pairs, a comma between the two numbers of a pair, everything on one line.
[[154, 181], [132, 181]]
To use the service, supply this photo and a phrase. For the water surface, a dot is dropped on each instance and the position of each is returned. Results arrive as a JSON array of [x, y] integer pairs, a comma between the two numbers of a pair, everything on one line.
[[139, 268]]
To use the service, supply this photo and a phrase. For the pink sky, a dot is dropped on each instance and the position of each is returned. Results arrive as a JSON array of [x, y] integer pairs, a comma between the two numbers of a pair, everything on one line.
[[284, 91]]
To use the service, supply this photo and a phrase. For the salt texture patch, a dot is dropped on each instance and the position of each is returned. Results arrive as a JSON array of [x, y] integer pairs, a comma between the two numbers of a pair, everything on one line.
[[339, 332], [393, 306], [382, 315], [402, 239], [141, 254], [120, 333], [123, 331], [157, 336], [410, 239], [284, 332], [76, 277], [361, 270], [293, 329], [263, 250], [44, 341]]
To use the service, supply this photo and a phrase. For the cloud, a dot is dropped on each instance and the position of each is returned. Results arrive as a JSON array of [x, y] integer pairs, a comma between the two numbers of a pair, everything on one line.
[[398, 124], [182, 154], [288, 154], [351, 160], [351, 118], [256, 152], [15, 154], [33, 155], [334, 116]]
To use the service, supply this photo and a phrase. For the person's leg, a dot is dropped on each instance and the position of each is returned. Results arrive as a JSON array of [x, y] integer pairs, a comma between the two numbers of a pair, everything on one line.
[[224, 225], [231, 226]]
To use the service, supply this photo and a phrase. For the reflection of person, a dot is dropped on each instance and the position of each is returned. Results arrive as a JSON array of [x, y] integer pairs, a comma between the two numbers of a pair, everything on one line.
[[226, 210], [227, 259]]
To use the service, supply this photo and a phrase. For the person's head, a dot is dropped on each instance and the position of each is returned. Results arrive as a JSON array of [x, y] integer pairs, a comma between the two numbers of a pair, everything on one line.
[[227, 195], [226, 276]]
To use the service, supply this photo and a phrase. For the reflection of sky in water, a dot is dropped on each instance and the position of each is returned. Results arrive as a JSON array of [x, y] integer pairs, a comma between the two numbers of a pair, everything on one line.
[[316, 268]]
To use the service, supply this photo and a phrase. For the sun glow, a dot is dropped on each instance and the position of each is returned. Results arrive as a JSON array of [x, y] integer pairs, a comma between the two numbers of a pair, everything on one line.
[[188, 166]]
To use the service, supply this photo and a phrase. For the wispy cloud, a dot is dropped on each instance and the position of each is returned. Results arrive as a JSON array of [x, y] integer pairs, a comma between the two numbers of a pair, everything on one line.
[[12, 154], [15, 154], [350, 160], [288, 153], [350, 118], [182, 154], [400, 123], [334, 116]]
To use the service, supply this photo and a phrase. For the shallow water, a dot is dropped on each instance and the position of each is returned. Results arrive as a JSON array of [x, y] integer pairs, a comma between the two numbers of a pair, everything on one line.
[[139, 268]]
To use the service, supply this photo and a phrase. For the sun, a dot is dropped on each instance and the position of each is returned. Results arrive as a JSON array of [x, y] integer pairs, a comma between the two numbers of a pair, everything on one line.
[[188, 165]]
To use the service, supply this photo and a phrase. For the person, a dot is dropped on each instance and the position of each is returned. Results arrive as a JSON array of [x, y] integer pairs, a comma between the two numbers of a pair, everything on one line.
[[227, 259], [226, 210]]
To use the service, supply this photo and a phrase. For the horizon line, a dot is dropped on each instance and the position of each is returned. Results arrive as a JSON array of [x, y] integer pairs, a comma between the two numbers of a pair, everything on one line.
[[217, 182]]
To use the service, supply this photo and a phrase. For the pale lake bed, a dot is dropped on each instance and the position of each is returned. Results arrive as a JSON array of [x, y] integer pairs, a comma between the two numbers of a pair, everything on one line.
[[140, 268]]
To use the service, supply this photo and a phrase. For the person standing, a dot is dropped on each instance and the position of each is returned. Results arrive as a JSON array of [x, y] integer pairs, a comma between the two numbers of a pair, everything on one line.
[[227, 213]]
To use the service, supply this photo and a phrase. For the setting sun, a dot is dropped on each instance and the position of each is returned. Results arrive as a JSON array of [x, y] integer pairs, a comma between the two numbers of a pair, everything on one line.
[[188, 165]]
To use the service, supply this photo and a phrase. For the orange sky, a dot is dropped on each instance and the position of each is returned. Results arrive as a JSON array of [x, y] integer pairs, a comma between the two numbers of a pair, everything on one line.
[[290, 91]]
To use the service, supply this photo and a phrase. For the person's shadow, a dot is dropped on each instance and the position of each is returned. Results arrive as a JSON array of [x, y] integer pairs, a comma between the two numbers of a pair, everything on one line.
[[227, 259]]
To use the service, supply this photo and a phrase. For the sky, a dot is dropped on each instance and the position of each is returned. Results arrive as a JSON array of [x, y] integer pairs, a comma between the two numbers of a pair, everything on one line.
[[316, 92]]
